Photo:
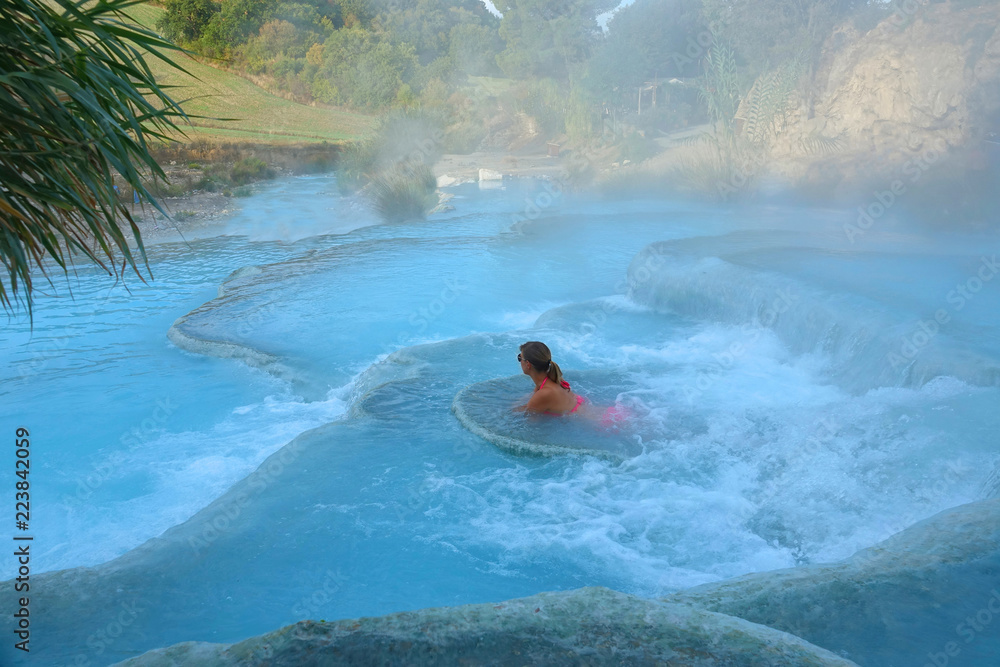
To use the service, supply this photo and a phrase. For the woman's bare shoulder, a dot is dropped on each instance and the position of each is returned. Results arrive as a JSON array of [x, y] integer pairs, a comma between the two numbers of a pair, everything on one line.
[[542, 399]]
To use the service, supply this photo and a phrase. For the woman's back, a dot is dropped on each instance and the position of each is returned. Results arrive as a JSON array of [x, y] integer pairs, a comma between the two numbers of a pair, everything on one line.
[[558, 399]]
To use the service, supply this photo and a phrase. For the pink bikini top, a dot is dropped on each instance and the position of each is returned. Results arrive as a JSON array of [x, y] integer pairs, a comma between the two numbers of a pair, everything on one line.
[[564, 385]]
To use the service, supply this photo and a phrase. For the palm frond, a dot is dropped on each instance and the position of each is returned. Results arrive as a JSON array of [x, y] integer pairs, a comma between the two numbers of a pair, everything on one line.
[[80, 105], [720, 88]]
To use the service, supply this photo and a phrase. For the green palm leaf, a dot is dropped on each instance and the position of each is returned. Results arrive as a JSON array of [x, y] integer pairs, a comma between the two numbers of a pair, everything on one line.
[[79, 105]]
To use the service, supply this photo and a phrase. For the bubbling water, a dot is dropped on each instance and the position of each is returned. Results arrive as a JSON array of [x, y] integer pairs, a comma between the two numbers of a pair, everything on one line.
[[768, 424]]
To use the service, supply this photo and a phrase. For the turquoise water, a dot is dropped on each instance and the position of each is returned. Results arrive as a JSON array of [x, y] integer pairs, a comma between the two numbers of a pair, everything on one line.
[[792, 400]]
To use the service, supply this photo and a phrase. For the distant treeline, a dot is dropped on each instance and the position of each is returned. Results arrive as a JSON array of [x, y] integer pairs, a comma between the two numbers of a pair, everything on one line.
[[555, 62], [365, 54]]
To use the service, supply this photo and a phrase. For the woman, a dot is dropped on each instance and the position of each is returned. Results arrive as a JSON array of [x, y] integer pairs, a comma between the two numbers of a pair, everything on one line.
[[552, 394]]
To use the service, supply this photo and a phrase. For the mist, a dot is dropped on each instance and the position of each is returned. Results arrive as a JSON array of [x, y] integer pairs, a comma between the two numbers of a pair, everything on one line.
[[753, 247]]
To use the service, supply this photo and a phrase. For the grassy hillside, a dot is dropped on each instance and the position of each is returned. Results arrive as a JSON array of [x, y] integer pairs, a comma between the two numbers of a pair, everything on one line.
[[258, 115]]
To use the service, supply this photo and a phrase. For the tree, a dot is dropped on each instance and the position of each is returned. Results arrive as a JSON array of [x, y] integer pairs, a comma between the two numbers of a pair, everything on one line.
[[79, 105], [548, 37], [473, 49], [236, 21], [772, 32], [426, 24], [362, 69], [353, 13], [779, 33], [646, 40], [184, 20]]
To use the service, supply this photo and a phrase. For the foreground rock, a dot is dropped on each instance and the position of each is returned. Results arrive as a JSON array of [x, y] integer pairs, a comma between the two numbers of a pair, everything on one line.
[[927, 595], [588, 626]]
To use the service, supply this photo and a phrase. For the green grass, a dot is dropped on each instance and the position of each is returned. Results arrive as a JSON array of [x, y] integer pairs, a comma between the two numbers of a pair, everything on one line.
[[258, 116]]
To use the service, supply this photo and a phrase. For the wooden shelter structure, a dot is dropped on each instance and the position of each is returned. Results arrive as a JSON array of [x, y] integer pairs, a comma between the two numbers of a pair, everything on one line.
[[651, 91]]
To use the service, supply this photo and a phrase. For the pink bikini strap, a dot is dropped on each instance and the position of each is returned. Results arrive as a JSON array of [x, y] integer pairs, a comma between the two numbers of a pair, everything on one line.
[[563, 384]]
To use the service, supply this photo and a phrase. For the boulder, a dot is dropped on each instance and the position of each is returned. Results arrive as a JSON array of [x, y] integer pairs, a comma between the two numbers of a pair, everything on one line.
[[927, 595], [490, 175], [587, 626]]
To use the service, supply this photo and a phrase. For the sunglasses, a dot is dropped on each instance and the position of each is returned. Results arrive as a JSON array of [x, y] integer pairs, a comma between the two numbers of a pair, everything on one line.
[[519, 357]]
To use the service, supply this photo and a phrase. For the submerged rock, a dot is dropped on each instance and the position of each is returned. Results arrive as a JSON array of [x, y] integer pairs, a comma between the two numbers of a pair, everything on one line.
[[587, 626], [927, 595], [485, 409]]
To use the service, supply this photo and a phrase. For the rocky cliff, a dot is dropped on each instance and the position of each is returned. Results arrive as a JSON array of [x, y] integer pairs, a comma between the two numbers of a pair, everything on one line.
[[898, 102]]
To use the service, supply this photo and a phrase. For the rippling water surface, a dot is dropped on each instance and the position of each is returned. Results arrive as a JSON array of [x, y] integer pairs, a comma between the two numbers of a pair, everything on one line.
[[793, 397]]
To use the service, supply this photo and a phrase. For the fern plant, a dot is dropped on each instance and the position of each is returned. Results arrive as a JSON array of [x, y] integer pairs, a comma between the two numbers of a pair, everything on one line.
[[743, 125], [765, 107], [819, 144]]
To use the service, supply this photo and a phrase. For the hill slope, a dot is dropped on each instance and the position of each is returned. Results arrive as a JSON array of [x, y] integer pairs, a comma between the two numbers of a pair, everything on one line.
[[258, 116]]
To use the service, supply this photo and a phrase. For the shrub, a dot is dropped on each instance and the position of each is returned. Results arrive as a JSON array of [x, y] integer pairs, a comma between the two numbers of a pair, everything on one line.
[[582, 118], [358, 158], [163, 189], [543, 100], [404, 192], [207, 184], [316, 164], [635, 148], [464, 138], [401, 137], [250, 169]]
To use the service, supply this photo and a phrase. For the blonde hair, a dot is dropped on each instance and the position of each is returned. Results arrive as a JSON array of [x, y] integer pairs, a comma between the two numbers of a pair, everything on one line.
[[539, 356]]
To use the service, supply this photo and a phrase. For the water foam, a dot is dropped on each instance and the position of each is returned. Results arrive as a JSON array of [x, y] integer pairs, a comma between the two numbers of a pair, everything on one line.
[[133, 495], [864, 342]]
